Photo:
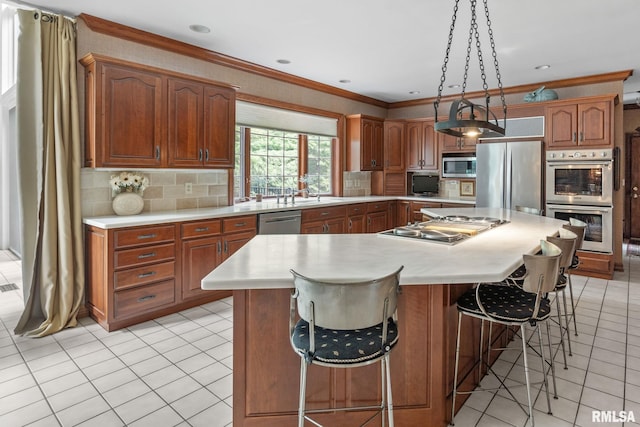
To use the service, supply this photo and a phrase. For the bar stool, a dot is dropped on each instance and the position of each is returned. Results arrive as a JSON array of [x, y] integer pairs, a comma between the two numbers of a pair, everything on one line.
[[345, 325], [579, 228], [566, 241], [514, 306]]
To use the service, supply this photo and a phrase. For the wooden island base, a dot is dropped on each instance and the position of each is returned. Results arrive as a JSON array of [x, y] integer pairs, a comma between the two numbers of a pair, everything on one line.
[[266, 370]]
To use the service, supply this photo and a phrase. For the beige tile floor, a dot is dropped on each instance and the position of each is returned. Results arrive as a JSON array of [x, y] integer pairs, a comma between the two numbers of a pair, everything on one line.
[[176, 370]]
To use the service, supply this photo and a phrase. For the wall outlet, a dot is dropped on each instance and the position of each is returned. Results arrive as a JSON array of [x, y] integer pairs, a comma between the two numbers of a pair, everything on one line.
[[188, 188]]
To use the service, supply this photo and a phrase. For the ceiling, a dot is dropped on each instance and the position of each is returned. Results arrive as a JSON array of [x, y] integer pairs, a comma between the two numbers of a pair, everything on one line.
[[388, 48]]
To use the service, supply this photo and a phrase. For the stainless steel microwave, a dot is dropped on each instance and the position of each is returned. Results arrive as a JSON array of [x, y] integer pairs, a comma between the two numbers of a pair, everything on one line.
[[458, 167]]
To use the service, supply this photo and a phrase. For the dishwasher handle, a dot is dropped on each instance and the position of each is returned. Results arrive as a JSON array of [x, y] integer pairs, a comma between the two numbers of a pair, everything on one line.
[[281, 219]]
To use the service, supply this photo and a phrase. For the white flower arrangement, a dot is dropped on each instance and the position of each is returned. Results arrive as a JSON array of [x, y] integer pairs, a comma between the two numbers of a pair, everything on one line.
[[128, 182]]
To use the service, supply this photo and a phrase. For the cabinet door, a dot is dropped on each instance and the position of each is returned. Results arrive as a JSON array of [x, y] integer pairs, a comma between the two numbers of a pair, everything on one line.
[[335, 226], [184, 127], [414, 145], [429, 146], [594, 123], [448, 143], [356, 224], [232, 242], [131, 117], [219, 127], [317, 227], [394, 146], [468, 144], [377, 146], [199, 257], [403, 212], [561, 126], [376, 222]]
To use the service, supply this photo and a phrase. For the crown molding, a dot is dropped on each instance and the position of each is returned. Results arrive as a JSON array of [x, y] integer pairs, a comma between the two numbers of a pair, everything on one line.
[[576, 81], [115, 29]]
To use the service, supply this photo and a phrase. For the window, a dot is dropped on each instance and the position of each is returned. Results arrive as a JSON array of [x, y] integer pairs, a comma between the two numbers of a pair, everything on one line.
[[9, 30], [276, 159]]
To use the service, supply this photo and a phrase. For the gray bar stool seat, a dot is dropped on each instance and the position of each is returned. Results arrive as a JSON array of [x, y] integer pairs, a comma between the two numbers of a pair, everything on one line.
[[345, 325]]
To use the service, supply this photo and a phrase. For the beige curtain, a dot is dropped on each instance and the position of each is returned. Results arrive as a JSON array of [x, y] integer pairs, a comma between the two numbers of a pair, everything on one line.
[[49, 173]]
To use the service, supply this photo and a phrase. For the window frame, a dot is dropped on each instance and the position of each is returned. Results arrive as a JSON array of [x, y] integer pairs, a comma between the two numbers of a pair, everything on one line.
[[303, 157]]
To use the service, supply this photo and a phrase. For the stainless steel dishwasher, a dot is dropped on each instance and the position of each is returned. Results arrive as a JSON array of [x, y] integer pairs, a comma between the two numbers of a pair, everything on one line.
[[287, 222]]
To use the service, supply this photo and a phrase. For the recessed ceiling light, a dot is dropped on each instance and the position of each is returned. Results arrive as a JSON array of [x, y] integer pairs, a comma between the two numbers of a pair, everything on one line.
[[453, 86], [283, 61], [543, 67], [414, 92], [197, 28], [344, 81]]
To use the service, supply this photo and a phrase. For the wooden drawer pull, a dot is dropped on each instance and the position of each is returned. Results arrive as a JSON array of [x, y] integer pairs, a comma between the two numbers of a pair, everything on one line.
[[147, 236], [201, 229], [149, 274], [147, 255], [146, 298]]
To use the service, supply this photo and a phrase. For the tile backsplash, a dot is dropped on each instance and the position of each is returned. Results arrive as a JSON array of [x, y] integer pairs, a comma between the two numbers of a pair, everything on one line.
[[356, 184], [166, 191]]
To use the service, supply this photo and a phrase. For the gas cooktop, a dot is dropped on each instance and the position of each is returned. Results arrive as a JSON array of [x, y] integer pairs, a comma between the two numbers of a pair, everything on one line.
[[448, 230]]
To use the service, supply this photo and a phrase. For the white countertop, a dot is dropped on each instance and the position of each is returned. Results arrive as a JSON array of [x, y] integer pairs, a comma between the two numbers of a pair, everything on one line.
[[253, 207], [490, 256]]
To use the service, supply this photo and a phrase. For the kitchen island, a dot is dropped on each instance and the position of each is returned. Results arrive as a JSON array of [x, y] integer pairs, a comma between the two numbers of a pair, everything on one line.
[[266, 368]]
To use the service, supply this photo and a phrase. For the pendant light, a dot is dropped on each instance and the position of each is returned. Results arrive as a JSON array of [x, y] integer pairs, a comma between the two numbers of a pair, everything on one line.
[[467, 119]]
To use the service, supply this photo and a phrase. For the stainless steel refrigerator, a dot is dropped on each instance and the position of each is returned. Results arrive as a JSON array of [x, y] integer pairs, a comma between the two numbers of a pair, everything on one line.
[[509, 174]]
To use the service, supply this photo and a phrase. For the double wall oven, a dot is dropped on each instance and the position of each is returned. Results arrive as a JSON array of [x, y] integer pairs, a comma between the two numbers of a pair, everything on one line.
[[579, 184]]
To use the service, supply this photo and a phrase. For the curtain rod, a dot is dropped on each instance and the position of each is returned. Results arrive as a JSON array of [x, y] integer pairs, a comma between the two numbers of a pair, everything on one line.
[[23, 4]]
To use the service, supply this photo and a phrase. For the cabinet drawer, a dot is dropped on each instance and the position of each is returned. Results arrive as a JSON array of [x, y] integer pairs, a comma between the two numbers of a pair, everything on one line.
[[358, 209], [201, 228], [137, 301], [143, 236], [377, 207], [323, 213], [144, 255], [239, 223], [141, 275]]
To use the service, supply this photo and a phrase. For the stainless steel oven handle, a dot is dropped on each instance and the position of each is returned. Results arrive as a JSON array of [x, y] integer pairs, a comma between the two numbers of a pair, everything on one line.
[[585, 163], [582, 209]]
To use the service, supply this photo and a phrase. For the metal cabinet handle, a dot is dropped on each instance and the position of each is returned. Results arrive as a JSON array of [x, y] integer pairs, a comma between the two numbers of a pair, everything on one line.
[[201, 229], [148, 274], [206, 155], [581, 136], [226, 247], [350, 225], [324, 213], [146, 236], [200, 154], [240, 224], [146, 298], [574, 137], [147, 255], [219, 247], [157, 152]]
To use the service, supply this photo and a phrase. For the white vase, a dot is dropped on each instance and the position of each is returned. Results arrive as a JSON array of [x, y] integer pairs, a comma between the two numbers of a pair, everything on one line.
[[127, 203]]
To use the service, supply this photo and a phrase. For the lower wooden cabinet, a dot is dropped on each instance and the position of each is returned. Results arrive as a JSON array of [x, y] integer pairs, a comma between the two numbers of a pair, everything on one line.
[[595, 264], [326, 220], [139, 273]]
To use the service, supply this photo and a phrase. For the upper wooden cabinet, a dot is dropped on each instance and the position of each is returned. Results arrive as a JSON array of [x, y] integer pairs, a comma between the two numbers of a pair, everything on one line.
[[139, 116], [422, 147], [201, 124], [365, 138], [450, 143], [394, 137], [582, 122]]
